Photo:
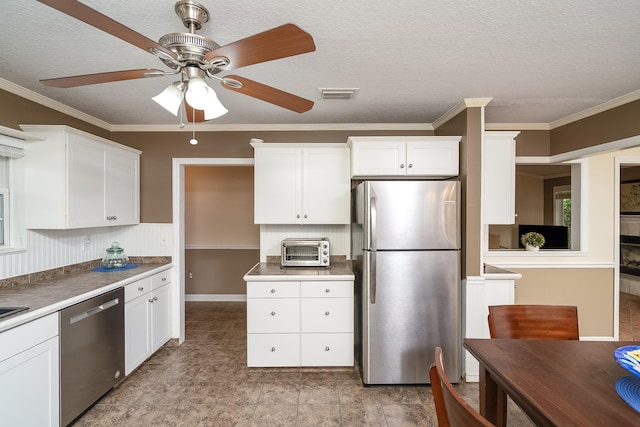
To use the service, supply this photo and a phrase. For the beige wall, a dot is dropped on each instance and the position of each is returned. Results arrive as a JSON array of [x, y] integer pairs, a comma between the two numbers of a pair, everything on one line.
[[219, 206], [218, 271], [590, 289], [533, 143]]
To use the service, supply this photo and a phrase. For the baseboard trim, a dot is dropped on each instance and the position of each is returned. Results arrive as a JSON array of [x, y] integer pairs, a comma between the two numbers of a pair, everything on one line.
[[216, 297]]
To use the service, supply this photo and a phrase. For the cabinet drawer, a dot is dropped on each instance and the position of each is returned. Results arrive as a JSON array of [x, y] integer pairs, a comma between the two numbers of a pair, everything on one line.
[[327, 350], [273, 289], [327, 315], [337, 289], [137, 288], [273, 350], [273, 315], [160, 279]]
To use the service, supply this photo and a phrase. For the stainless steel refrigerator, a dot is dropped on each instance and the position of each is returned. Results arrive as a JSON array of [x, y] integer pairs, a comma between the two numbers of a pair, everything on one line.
[[406, 255]]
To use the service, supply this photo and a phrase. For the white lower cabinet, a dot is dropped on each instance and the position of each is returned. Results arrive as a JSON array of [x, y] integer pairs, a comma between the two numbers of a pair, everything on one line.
[[147, 317], [29, 374], [300, 323]]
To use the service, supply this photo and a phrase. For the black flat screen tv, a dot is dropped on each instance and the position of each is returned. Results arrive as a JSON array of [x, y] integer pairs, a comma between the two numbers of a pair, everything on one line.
[[555, 236]]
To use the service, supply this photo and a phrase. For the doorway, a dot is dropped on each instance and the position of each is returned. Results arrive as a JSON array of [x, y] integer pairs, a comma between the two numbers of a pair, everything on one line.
[[178, 208]]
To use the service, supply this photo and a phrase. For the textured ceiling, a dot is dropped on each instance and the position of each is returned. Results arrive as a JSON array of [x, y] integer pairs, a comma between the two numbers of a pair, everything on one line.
[[412, 60]]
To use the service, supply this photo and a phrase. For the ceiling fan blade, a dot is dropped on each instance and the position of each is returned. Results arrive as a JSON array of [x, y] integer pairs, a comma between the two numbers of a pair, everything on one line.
[[92, 17], [280, 42], [91, 79], [189, 112], [269, 94]]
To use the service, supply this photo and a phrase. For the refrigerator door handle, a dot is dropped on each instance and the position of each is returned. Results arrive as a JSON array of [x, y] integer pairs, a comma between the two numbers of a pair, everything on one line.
[[373, 212], [372, 277]]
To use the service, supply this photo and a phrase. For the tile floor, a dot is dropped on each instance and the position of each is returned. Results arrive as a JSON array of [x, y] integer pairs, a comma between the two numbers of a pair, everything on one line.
[[205, 382]]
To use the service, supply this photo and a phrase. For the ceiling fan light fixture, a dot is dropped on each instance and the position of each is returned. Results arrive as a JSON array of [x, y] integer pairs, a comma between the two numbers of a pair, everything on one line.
[[214, 107], [197, 93], [170, 98]]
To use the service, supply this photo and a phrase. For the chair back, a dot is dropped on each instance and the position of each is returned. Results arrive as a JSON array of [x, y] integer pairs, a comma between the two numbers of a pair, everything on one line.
[[452, 410], [534, 322]]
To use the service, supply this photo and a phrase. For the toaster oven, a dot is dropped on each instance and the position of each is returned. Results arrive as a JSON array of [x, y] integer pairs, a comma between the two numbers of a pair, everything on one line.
[[305, 253]]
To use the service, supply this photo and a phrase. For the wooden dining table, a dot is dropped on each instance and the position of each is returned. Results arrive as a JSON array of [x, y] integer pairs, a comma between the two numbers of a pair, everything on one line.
[[556, 383]]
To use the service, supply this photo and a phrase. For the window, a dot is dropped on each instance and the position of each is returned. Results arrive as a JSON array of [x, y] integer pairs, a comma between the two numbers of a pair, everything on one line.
[[10, 185]]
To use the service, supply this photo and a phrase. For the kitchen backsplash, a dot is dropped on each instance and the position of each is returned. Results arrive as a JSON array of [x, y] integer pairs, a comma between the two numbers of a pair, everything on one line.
[[49, 249]]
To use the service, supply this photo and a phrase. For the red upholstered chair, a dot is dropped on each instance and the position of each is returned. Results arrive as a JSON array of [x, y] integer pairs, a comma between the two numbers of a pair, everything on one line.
[[541, 322], [452, 410]]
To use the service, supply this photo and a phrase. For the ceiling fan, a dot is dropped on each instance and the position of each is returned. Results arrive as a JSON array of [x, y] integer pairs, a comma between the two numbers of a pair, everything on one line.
[[194, 58]]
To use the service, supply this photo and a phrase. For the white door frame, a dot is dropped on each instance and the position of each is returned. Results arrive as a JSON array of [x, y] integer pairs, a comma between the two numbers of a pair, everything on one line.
[[178, 184]]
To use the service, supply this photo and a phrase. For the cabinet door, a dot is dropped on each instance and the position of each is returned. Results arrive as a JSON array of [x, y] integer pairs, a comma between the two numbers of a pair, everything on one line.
[[277, 189], [327, 315], [137, 321], [432, 158], [326, 350], [161, 316], [271, 315], [123, 188], [499, 178], [86, 191], [378, 158], [273, 350], [326, 186], [29, 387]]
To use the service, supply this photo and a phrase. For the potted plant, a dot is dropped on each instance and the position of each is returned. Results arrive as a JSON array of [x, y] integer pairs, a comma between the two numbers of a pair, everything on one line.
[[532, 241]]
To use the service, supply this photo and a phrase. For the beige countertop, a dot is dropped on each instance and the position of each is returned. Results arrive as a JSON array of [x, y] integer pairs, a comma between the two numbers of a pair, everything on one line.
[[48, 296], [270, 271]]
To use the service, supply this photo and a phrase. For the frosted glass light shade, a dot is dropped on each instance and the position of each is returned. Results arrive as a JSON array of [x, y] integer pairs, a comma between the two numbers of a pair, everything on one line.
[[197, 93], [170, 99], [214, 107]]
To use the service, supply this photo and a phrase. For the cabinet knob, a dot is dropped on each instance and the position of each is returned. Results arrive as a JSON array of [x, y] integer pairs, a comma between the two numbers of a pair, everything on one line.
[[402, 166], [140, 288], [298, 216], [151, 300], [410, 165], [327, 290], [273, 291], [164, 279], [327, 348], [273, 313], [155, 298], [273, 349], [326, 313], [305, 215]]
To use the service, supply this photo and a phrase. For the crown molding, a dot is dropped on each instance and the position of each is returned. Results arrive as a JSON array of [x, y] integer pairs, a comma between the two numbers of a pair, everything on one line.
[[516, 126], [209, 127], [460, 107], [615, 102], [50, 103]]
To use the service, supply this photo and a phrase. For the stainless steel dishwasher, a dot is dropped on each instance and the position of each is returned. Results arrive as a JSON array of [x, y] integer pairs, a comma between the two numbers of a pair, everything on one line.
[[91, 352]]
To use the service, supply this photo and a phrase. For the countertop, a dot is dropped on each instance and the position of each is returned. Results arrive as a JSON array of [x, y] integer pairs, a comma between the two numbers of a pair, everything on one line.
[[497, 273], [270, 271], [49, 296]]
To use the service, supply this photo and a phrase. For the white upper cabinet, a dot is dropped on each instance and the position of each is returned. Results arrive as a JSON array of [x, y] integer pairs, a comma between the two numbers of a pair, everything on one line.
[[409, 156], [77, 180], [301, 184], [499, 177]]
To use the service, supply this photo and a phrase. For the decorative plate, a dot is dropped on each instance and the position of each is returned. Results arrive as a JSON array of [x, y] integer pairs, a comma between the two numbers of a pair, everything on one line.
[[629, 358], [628, 389]]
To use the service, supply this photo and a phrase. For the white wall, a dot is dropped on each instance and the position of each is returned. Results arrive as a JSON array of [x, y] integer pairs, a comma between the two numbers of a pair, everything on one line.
[[48, 249]]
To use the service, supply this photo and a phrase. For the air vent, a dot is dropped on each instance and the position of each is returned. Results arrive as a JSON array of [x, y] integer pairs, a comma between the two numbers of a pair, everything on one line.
[[343, 93]]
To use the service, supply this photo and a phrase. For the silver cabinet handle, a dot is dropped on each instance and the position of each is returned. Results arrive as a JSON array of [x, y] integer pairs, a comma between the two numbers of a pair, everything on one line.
[[305, 215], [298, 216], [273, 313], [326, 313], [410, 165], [140, 288], [151, 300], [402, 166], [273, 291], [327, 290], [273, 349], [327, 348], [164, 279], [155, 298]]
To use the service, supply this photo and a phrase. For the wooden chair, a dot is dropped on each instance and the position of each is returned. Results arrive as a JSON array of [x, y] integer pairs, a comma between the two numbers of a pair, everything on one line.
[[452, 410], [534, 322]]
